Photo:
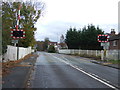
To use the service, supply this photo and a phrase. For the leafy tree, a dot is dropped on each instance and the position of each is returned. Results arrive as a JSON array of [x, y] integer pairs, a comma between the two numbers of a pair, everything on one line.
[[45, 45], [51, 49], [6, 25], [40, 45]]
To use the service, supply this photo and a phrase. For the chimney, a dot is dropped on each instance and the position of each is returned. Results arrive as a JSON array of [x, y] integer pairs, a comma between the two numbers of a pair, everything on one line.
[[112, 32]]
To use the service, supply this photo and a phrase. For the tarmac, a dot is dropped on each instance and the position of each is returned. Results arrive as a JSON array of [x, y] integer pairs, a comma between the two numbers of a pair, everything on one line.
[[20, 74]]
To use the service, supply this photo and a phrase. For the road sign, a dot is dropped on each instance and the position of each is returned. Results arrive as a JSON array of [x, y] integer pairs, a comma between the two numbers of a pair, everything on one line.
[[16, 34], [14, 41], [103, 38], [105, 45]]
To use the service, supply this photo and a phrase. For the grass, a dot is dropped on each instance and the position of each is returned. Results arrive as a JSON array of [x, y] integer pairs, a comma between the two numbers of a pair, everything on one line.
[[98, 58], [114, 61], [91, 56]]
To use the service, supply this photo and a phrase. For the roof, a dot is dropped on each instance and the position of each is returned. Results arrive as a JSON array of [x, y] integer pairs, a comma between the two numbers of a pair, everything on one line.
[[62, 44], [52, 42], [115, 37]]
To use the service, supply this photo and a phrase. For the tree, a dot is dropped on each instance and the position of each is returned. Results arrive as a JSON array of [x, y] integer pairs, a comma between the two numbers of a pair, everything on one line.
[[72, 38], [89, 38], [45, 45], [29, 16], [51, 49], [40, 45], [6, 25], [83, 39]]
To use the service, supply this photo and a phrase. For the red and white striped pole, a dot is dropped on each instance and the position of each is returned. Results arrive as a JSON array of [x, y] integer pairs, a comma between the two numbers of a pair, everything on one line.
[[18, 17], [17, 32]]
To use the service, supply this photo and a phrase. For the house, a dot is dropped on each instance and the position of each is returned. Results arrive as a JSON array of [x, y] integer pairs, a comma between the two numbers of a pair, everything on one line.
[[114, 40], [54, 44], [62, 44]]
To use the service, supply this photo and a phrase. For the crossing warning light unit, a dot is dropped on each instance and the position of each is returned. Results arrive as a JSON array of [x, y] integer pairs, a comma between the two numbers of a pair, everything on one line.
[[16, 34], [103, 38]]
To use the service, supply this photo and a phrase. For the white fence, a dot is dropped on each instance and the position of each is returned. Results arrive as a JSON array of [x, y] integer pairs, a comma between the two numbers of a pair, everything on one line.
[[110, 54], [13, 53], [80, 52], [113, 54]]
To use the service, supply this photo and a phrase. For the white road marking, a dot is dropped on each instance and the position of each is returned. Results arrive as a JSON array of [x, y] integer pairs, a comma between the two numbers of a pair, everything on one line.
[[90, 75]]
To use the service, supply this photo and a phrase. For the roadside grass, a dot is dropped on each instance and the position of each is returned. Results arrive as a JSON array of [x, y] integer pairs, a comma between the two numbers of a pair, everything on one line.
[[114, 61], [89, 56], [97, 58]]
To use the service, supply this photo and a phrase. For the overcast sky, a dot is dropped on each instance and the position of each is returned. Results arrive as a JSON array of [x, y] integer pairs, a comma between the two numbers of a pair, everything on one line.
[[60, 15]]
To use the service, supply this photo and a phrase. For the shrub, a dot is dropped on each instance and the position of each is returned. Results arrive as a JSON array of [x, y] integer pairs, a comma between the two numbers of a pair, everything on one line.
[[51, 49]]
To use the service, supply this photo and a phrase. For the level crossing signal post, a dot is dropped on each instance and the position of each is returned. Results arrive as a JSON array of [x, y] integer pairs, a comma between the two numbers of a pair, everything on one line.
[[104, 40], [17, 33]]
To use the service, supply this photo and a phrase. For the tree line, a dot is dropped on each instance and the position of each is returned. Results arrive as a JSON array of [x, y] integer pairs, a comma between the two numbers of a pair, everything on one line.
[[85, 38], [44, 46]]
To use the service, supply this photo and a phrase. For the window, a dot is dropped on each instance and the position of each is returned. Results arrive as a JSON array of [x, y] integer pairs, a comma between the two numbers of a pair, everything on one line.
[[114, 43]]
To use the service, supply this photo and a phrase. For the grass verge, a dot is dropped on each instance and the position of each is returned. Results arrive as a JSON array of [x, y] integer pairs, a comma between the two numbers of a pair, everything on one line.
[[98, 58]]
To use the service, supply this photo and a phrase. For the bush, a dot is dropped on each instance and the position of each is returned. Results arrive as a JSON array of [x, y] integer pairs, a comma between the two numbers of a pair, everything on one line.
[[51, 49]]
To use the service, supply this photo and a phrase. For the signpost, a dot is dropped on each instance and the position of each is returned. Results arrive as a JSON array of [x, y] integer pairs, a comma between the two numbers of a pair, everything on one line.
[[17, 33], [14, 42], [104, 42], [105, 45]]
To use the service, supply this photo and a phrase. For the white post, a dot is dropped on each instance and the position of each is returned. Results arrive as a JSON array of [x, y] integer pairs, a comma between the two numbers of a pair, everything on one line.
[[79, 51], [102, 55], [87, 52], [96, 52]]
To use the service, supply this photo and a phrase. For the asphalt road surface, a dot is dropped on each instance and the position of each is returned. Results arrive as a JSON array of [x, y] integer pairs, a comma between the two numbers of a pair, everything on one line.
[[64, 71]]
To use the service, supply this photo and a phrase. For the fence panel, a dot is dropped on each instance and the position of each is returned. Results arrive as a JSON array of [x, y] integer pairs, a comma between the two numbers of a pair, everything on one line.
[[12, 51], [110, 54], [113, 54]]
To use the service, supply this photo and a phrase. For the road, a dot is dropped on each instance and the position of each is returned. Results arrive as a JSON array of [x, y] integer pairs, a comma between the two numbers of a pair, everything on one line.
[[64, 71]]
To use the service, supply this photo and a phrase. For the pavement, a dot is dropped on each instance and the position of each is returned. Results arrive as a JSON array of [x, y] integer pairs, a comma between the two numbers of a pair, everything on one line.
[[19, 74]]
